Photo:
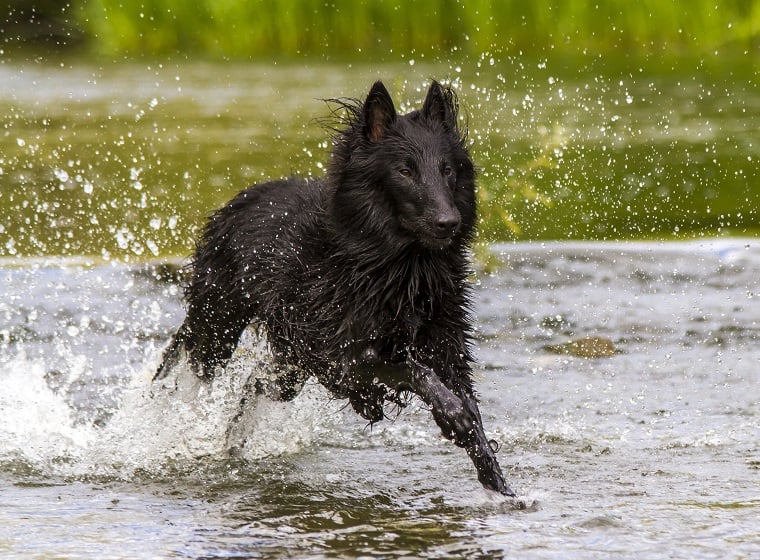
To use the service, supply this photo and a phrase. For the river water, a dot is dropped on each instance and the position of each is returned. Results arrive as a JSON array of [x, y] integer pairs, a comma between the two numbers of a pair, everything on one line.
[[647, 448], [650, 451], [124, 160]]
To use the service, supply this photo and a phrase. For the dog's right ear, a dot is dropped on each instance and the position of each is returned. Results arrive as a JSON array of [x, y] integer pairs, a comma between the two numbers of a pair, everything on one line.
[[378, 112]]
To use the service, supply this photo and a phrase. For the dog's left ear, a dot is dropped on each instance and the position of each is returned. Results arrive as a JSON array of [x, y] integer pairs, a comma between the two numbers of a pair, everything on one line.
[[378, 112], [440, 105]]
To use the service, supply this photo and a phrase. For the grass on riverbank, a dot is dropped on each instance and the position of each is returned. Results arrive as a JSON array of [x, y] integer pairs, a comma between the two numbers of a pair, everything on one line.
[[239, 28]]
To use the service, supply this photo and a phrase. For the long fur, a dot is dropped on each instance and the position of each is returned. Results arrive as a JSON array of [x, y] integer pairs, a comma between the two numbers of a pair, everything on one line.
[[352, 275]]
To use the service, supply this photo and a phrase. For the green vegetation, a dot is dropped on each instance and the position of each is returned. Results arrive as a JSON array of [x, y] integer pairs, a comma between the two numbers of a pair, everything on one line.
[[244, 28], [588, 120]]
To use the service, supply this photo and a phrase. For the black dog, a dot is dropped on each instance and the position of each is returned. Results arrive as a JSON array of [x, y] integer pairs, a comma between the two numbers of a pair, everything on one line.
[[358, 279]]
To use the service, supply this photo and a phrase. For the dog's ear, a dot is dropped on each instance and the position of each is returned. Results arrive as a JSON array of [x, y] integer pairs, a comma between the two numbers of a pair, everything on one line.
[[440, 105], [378, 112]]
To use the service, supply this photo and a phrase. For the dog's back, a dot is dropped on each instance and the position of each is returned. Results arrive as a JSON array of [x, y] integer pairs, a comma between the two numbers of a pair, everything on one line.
[[246, 256]]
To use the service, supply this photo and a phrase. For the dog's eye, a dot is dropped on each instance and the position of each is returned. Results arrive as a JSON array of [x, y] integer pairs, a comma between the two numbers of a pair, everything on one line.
[[405, 172], [447, 171]]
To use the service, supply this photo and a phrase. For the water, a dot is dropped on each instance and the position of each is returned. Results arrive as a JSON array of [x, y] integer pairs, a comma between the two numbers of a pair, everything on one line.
[[106, 172], [650, 452], [123, 160]]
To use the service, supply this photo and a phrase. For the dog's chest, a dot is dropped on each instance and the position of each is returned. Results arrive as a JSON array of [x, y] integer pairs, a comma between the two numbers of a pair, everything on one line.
[[392, 311]]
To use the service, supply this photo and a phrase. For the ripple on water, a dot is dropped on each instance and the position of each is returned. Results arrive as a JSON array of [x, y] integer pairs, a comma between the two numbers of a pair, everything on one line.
[[648, 452]]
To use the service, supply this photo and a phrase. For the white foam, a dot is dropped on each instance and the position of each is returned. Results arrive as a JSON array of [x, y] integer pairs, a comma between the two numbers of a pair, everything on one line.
[[36, 424], [175, 424]]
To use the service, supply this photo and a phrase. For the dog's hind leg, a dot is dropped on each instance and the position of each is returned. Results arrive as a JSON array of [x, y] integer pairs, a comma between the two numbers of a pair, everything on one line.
[[209, 336], [459, 420], [170, 356]]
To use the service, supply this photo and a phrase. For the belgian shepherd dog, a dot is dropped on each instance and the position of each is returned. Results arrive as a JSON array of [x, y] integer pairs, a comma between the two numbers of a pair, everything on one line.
[[360, 278]]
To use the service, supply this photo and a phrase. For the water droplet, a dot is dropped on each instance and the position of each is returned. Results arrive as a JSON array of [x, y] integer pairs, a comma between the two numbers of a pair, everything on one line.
[[61, 174], [152, 247]]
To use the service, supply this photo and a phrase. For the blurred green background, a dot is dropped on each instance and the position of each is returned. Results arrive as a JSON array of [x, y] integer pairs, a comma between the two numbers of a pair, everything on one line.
[[240, 28], [122, 124]]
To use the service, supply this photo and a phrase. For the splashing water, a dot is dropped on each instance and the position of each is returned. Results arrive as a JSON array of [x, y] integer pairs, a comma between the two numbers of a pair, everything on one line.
[[633, 450], [154, 430], [37, 426], [174, 426], [183, 420]]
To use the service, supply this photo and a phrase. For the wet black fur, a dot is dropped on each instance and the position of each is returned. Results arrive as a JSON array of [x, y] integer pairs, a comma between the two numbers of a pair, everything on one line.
[[358, 278]]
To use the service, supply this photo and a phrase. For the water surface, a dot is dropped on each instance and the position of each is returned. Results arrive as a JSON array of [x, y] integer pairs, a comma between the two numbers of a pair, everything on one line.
[[124, 160], [106, 172], [650, 452]]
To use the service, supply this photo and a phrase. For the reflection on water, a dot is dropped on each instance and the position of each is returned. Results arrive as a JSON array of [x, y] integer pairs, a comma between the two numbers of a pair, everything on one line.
[[649, 452], [124, 160]]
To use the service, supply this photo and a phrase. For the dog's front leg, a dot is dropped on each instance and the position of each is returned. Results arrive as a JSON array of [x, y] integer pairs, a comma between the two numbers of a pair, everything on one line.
[[459, 420]]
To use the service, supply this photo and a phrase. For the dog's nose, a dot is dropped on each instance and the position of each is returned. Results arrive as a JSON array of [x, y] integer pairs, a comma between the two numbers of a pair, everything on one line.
[[446, 225]]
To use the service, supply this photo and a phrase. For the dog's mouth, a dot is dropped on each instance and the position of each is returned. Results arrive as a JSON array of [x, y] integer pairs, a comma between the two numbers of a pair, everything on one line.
[[433, 241], [429, 236]]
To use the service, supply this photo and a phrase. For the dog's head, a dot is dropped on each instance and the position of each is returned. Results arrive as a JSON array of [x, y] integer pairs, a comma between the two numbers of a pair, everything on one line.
[[407, 177]]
